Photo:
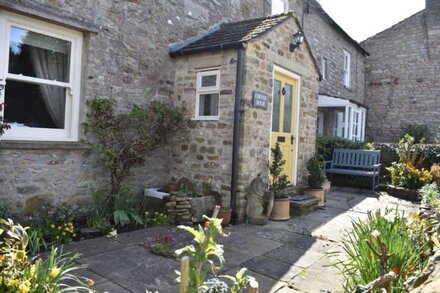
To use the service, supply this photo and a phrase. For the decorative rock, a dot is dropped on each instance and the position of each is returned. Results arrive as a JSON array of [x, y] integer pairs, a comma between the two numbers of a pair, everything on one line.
[[187, 206], [171, 204], [201, 206]]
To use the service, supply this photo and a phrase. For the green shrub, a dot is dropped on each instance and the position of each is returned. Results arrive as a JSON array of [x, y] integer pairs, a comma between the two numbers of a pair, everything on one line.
[[277, 181], [430, 194], [420, 132], [326, 144], [363, 247], [316, 172]]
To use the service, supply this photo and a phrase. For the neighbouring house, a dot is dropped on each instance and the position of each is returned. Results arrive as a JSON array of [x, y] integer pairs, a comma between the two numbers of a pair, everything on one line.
[[402, 83], [59, 54]]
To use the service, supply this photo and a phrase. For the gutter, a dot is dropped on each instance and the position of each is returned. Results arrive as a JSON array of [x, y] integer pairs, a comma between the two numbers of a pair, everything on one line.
[[236, 133]]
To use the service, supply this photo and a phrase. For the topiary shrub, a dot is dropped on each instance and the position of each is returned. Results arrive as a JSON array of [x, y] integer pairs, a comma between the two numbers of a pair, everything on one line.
[[316, 173]]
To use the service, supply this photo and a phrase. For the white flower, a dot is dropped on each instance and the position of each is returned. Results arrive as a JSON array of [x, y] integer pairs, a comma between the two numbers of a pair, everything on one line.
[[390, 217], [113, 234], [375, 233]]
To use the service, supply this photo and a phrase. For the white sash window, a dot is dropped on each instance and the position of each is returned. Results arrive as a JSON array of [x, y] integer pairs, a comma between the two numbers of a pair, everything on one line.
[[40, 66]]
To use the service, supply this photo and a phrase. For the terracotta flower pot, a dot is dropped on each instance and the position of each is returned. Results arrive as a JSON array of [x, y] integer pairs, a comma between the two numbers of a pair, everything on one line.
[[319, 193], [225, 214], [281, 209]]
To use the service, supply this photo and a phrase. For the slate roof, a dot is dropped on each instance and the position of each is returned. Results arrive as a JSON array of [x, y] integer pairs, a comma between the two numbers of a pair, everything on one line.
[[228, 35]]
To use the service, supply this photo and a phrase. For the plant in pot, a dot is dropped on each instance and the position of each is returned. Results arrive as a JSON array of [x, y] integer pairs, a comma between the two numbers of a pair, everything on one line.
[[315, 179], [277, 184], [224, 212]]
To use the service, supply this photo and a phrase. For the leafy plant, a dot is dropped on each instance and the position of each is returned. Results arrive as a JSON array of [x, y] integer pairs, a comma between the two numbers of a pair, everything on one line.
[[36, 241], [239, 281], [202, 254], [4, 212], [363, 265], [410, 153], [156, 219], [419, 132], [3, 126], [206, 186], [19, 274], [423, 229], [430, 195], [214, 285], [125, 211], [435, 173], [207, 256], [124, 139], [277, 180], [316, 172], [407, 176], [163, 245]]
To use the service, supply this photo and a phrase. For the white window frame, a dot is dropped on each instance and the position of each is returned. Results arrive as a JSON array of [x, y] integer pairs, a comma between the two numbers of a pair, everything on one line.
[[324, 64], [207, 90], [347, 67], [285, 3], [356, 124], [72, 108]]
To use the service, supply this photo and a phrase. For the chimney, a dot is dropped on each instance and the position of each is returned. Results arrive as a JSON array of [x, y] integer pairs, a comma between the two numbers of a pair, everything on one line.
[[432, 14]]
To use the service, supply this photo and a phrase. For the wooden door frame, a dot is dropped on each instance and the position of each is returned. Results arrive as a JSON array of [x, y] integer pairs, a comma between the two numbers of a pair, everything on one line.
[[297, 78]]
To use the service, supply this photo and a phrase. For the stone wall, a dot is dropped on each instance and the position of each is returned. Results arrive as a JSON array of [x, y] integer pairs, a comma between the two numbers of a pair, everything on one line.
[[206, 151], [260, 56], [127, 59], [328, 42], [402, 76]]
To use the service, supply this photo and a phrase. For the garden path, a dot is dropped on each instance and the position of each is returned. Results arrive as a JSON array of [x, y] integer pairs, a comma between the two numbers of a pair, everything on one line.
[[289, 256]]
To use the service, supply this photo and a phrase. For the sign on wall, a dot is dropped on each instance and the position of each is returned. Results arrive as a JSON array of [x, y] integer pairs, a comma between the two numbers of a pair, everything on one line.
[[259, 100]]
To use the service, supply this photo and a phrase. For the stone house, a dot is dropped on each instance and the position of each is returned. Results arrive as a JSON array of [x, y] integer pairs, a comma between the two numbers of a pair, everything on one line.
[[402, 85], [251, 92], [59, 54]]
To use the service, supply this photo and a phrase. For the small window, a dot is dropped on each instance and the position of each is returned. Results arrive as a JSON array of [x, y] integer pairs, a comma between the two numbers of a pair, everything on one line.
[[280, 6], [40, 64], [208, 95], [347, 66], [324, 68]]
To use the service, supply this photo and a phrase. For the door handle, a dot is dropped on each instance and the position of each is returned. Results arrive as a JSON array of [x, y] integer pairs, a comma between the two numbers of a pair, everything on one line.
[[291, 139]]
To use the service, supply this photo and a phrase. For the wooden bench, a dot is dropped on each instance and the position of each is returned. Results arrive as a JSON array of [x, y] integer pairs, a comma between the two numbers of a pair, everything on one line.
[[355, 162]]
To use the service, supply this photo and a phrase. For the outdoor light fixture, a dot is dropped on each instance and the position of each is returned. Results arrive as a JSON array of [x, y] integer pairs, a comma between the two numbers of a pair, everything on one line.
[[297, 40]]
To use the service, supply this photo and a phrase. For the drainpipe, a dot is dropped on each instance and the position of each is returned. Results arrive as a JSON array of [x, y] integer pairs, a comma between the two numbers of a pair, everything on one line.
[[236, 133]]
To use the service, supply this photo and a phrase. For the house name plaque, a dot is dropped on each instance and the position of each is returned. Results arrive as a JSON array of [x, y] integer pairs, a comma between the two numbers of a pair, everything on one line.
[[259, 100]]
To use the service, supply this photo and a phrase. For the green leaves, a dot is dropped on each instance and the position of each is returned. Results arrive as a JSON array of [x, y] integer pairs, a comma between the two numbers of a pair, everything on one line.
[[277, 181], [122, 140]]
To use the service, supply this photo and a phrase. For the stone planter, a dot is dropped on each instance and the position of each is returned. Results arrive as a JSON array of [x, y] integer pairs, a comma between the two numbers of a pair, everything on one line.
[[201, 206], [225, 214], [281, 209], [403, 193], [318, 193]]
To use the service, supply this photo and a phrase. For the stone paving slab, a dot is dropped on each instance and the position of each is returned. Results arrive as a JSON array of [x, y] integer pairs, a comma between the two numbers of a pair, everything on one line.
[[284, 256], [273, 268], [93, 246]]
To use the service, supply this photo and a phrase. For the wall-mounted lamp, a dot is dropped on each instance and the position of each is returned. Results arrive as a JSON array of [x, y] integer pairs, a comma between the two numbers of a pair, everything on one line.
[[297, 40]]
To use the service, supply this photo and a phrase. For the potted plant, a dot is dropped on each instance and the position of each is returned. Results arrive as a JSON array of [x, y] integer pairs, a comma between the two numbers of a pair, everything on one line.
[[277, 184], [224, 212], [315, 179]]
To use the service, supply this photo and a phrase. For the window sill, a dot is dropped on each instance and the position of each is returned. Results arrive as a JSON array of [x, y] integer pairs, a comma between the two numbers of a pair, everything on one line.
[[43, 145], [206, 119]]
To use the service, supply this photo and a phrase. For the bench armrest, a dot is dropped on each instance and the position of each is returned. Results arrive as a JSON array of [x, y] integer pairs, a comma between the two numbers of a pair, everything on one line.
[[326, 163]]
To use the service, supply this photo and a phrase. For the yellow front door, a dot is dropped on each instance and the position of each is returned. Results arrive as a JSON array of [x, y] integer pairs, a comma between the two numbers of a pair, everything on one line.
[[284, 120]]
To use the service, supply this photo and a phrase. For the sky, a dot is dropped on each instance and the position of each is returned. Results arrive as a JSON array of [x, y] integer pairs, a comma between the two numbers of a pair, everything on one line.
[[362, 19]]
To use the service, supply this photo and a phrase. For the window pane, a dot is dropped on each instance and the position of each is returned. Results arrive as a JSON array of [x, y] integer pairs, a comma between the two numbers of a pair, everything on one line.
[[208, 105], [34, 105], [276, 106], [287, 123], [36, 55], [209, 80]]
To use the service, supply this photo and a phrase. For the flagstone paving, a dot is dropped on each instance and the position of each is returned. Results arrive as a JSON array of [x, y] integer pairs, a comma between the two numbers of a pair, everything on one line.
[[289, 256]]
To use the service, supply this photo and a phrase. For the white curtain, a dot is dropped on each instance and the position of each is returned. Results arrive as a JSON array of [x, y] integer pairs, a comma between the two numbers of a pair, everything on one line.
[[51, 65]]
